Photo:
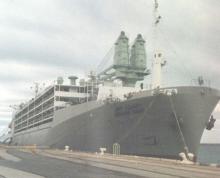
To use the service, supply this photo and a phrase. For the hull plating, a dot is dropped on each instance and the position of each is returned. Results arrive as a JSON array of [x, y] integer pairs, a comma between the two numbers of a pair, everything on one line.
[[142, 125]]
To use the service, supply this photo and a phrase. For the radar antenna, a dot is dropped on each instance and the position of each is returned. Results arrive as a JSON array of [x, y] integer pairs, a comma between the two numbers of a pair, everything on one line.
[[158, 62]]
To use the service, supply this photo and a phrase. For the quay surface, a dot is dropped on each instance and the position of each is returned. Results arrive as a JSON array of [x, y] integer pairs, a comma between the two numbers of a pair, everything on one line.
[[39, 163]]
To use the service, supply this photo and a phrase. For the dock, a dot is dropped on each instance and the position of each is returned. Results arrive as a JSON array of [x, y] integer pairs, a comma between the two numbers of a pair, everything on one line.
[[106, 165]]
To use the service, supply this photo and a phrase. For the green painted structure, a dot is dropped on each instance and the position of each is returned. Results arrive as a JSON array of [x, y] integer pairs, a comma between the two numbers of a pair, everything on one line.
[[138, 54], [121, 56], [129, 65]]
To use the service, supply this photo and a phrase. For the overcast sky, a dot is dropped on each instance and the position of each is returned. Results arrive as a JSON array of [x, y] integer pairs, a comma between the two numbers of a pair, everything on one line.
[[43, 39]]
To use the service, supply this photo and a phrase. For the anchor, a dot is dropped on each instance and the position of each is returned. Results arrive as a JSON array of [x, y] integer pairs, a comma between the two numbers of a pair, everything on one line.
[[211, 123]]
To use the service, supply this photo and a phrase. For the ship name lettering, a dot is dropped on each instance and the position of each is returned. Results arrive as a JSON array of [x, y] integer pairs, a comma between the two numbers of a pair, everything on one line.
[[129, 109]]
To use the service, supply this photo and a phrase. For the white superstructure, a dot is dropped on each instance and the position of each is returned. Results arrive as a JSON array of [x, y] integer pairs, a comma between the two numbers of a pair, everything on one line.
[[40, 110]]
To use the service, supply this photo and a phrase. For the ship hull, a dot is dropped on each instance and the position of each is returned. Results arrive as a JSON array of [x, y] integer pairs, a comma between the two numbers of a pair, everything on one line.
[[147, 124]]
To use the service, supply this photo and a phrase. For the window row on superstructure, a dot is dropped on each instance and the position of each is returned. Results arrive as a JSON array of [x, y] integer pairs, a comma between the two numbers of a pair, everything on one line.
[[36, 112], [40, 110]]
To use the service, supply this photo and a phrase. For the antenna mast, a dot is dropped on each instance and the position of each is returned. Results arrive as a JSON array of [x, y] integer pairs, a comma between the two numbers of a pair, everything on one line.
[[36, 88], [158, 62]]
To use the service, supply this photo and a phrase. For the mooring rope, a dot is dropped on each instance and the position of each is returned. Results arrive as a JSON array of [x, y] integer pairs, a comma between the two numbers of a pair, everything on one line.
[[179, 127]]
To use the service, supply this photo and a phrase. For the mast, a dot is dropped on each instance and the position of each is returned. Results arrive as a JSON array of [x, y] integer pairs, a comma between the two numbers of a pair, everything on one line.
[[158, 61], [36, 88]]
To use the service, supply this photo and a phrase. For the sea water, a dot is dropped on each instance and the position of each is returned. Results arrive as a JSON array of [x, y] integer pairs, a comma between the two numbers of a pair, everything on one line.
[[209, 153]]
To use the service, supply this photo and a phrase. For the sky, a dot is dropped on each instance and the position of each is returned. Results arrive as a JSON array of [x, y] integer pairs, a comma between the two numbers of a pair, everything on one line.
[[43, 39]]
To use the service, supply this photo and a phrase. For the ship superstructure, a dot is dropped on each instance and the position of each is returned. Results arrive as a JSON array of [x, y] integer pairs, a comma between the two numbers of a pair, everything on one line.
[[40, 110]]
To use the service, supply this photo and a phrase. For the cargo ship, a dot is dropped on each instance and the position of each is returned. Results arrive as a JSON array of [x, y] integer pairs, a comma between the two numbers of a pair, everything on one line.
[[115, 110]]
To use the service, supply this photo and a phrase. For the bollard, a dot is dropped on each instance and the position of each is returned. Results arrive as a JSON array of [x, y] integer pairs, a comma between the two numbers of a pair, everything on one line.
[[185, 159], [102, 151], [66, 148]]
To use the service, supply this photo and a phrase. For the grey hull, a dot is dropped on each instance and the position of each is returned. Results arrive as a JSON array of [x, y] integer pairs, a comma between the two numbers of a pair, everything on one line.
[[142, 125]]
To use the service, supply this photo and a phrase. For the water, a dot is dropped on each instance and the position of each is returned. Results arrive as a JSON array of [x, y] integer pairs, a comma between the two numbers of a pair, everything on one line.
[[209, 153]]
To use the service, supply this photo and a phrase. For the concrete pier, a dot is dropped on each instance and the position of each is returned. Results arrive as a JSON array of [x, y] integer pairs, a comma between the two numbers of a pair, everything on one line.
[[140, 166], [106, 165]]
